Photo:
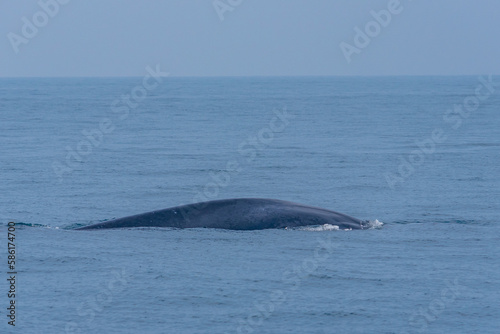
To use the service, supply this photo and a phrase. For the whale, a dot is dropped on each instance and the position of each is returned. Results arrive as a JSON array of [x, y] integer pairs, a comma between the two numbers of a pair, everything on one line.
[[235, 214]]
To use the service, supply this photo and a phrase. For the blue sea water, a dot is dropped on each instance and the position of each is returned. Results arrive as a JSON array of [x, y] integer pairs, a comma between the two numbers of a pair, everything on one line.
[[419, 154]]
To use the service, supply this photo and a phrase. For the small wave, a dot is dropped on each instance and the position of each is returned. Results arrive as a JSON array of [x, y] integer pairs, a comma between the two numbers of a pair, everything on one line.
[[438, 221], [74, 226], [31, 224], [369, 224], [21, 224], [316, 228]]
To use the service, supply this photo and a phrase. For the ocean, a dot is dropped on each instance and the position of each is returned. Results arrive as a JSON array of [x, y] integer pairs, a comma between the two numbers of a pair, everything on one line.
[[417, 156]]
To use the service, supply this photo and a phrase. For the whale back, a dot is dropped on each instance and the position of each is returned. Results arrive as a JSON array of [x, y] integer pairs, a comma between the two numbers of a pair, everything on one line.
[[235, 214]]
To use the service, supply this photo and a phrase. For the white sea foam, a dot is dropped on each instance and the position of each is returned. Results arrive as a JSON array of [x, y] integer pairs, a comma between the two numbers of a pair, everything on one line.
[[370, 224], [325, 227], [374, 224]]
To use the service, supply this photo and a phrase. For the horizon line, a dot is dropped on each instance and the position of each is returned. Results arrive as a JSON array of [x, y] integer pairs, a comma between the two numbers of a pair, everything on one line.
[[247, 76]]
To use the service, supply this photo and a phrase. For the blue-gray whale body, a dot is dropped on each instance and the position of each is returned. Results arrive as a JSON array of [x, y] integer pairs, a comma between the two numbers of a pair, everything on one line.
[[235, 214]]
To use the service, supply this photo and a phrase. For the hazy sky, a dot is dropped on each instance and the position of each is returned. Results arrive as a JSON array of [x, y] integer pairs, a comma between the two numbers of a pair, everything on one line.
[[249, 37]]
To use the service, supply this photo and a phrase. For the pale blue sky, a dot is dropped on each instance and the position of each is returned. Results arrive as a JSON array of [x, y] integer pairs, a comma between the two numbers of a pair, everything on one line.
[[258, 37]]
